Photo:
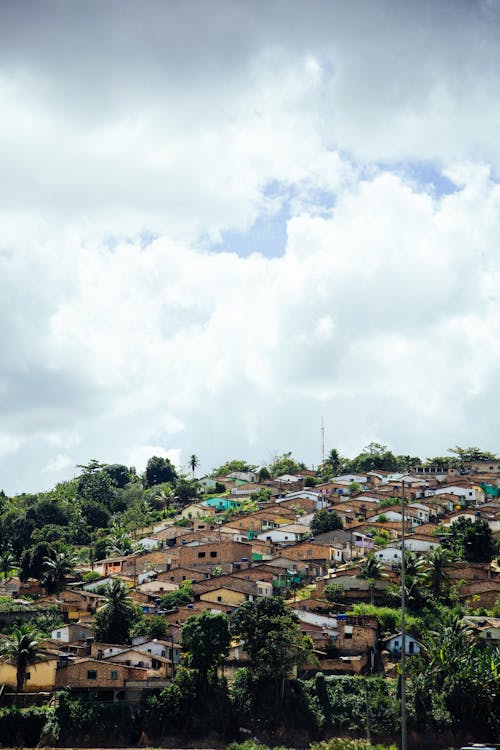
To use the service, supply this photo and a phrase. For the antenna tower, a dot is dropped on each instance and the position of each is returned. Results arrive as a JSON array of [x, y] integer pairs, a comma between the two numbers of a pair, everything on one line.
[[322, 441]]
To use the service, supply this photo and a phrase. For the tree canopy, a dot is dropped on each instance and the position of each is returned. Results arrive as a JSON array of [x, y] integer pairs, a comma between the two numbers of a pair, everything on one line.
[[205, 640], [158, 471], [324, 521]]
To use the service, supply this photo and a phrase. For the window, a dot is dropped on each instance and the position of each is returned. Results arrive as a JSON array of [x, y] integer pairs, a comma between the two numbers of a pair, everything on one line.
[[58, 634], [28, 675], [219, 598], [114, 674], [91, 674], [201, 554], [213, 553]]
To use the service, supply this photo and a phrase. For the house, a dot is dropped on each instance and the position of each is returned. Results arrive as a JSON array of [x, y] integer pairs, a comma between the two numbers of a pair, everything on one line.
[[100, 676], [389, 555], [479, 594], [221, 504], [136, 657], [394, 643], [419, 543], [473, 494], [159, 647], [41, 676], [74, 631], [486, 629], [232, 590], [323, 554], [483, 467], [354, 544], [358, 589], [288, 534], [227, 554], [76, 604]]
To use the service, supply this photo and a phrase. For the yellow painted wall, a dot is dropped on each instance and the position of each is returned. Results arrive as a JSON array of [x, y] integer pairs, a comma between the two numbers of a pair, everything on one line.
[[228, 596], [42, 675]]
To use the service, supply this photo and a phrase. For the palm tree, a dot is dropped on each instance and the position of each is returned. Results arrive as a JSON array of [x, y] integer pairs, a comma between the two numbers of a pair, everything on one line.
[[371, 571], [113, 621], [333, 461], [437, 561], [194, 461], [58, 567], [21, 650], [414, 578], [119, 543], [7, 562]]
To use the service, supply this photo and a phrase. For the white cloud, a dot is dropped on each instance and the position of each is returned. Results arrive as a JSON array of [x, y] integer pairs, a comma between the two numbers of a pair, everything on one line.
[[129, 149]]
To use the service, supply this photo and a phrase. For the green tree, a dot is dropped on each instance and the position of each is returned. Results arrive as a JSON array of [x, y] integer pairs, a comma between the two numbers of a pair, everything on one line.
[[21, 649], [205, 641], [455, 682], [32, 563], [113, 622], [437, 561], [334, 592], [471, 454], [374, 456], [471, 540], [7, 563], [161, 496], [158, 471], [332, 465], [233, 465], [57, 567], [194, 462], [118, 473], [371, 570], [415, 575], [272, 639], [183, 595], [285, 464], [97, 486], [185, 490], [96, 515], [324, 521]]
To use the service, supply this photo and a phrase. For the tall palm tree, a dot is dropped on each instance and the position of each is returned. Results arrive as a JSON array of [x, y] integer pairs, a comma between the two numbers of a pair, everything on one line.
[[58, 567], [414, 578], [194, 461], [21, 650], [371, 571], [437, 561], [333, 461], [7, 562], [113, 621]]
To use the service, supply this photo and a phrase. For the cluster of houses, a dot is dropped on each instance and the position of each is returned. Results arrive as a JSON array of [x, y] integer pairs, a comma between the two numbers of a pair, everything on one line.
[[235, 557]]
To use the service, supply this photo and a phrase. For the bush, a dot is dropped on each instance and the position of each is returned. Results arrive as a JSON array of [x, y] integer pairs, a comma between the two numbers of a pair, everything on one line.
[[22, 727], [340, 743]]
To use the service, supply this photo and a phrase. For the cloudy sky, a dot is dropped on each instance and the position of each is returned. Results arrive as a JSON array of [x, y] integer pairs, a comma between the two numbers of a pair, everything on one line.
[[223, 221]]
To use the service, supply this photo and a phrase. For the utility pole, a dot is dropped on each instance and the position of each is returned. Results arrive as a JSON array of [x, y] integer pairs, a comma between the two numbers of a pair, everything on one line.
[[403, 623], [322, 441]]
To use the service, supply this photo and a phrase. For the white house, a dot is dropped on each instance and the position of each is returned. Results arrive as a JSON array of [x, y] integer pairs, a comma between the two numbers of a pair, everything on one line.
[[394, 644], [389, 555], [290, 534], [472, 494], [420, 542], [75, 631]]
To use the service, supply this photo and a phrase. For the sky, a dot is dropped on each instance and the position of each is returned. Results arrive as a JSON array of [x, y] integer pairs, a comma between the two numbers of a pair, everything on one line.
[[224, 222]]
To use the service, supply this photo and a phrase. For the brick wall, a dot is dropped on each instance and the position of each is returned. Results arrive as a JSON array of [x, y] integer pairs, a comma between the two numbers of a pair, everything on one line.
[[80, 674]]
